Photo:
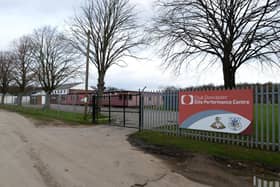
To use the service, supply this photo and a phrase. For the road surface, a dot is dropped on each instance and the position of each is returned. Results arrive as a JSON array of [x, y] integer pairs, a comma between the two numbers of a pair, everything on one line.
[[76, 157]]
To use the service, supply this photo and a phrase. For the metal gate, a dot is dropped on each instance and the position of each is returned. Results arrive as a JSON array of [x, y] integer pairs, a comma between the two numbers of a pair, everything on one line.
[[120, 108]]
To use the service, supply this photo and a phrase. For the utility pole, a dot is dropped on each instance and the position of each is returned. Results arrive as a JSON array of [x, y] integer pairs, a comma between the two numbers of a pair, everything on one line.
[[87, 70]]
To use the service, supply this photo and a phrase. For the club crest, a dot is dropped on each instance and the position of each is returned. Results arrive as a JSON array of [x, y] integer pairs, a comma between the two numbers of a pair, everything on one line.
[[218, 124], [235, 123]]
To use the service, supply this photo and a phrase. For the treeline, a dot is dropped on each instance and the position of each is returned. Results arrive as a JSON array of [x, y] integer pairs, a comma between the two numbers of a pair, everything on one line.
[[103, 32], [44, 58], [265, 86]]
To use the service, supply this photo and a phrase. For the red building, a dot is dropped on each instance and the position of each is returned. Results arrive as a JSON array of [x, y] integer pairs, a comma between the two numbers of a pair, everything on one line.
[[71, 94], [121, 98]]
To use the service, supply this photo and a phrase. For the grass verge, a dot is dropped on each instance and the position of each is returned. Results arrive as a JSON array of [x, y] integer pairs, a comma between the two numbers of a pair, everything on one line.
[[47, 115], [269, 159]]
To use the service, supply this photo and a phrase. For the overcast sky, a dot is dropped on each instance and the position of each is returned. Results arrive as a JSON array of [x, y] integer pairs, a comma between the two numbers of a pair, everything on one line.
[[20, 17]]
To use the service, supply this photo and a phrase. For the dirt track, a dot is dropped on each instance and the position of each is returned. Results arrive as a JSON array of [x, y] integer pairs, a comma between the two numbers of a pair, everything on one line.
[[76, 157]]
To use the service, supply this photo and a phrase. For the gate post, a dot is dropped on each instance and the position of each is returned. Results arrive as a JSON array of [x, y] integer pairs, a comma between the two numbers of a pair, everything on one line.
[[140, 112]]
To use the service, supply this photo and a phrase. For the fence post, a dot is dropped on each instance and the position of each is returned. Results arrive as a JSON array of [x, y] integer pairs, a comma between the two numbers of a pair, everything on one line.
[[124, 109], [140, 112], [93, 109], [262, 118], [256, 118], [267, 117], [110, 108], [278, 107], [273, 119]]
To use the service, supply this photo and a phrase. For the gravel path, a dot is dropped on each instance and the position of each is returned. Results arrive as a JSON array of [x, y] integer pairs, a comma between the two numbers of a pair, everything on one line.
[[76, 157]]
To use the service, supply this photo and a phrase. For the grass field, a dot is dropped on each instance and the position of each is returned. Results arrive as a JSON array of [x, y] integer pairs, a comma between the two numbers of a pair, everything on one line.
[[43, 114], [212, 149], [266, 122]]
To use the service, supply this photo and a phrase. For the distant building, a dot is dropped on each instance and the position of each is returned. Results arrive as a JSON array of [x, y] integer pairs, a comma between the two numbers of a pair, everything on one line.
[[67, 94], [72, 88], [131, 99], [121, 98], [8, 98], [38, 97]]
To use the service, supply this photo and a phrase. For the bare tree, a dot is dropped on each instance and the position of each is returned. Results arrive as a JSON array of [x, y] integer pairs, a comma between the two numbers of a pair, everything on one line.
[[232, 32], [113, 34], [23, 75], [55, 60], [6, 68]]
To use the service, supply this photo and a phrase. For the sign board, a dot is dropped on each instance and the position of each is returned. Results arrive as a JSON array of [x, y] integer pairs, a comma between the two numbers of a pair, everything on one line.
[[226, 111]]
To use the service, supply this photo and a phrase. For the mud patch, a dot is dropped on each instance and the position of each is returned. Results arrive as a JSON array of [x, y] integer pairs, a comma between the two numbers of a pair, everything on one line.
[[43, 170], [52, 123], [21, 136], [55, 123], [145, 183], [210, 170]]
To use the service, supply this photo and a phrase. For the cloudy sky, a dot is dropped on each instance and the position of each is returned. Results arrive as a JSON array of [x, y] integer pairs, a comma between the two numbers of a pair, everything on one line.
[[20, 17]]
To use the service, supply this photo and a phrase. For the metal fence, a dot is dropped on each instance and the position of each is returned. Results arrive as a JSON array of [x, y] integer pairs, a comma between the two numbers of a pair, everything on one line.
[[264, 182], [67, 103], [160, 114], [10, 99], [121, 109], [71, 102]]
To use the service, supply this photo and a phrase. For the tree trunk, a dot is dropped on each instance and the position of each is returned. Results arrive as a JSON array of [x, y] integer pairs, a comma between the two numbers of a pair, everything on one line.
[[3, 98], [48, 101], [19, 99], [229, 77], [100, 90], [101, 84], [20, 95]]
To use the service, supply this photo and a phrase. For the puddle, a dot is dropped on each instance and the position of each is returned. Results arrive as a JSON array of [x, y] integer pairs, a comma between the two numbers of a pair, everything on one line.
[[265, 182]]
